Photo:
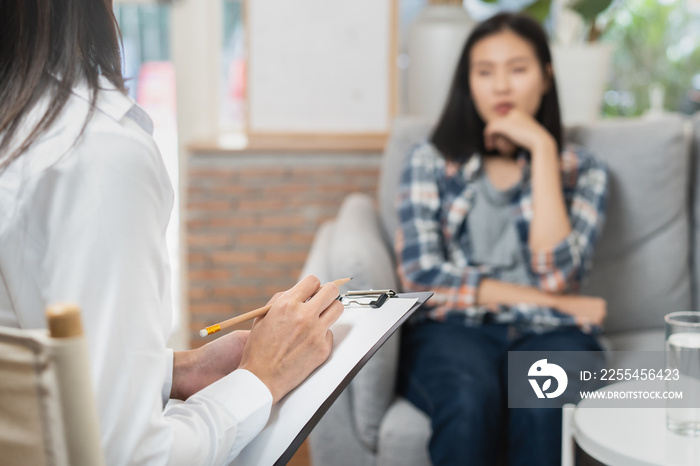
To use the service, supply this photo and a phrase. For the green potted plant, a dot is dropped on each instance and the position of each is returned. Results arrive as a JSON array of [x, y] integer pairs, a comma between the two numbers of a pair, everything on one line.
[[587, 10]]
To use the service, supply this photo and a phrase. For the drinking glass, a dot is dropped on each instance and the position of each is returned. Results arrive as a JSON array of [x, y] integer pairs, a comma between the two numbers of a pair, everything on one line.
[[682, 372]]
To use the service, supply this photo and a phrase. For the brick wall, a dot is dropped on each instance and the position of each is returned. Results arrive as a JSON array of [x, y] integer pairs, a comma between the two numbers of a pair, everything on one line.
[[250, 221]]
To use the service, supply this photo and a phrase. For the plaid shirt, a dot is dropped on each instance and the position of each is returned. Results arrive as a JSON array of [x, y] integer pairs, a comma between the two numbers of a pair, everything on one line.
[[433, 240]]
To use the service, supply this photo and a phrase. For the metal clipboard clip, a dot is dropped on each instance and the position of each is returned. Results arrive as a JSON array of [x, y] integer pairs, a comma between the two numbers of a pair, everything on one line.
[[381, 295]]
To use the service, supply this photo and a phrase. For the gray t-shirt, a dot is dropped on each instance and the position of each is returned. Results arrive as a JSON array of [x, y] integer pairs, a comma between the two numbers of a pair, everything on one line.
[[494, 239]]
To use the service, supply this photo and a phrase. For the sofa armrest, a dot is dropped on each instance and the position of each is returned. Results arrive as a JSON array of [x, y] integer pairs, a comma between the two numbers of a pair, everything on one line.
[[317, 258], [357, 247], [358, 250], [373, 391]]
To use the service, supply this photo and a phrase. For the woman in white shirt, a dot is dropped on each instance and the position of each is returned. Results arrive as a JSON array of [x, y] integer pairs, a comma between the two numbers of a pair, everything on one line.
[[84, 203]]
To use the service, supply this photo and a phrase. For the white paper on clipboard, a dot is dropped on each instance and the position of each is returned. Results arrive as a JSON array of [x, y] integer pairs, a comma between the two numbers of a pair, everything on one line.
[[355, 334]]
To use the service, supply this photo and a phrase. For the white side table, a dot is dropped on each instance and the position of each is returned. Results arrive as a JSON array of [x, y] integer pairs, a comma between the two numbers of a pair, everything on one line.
[[625, 436]]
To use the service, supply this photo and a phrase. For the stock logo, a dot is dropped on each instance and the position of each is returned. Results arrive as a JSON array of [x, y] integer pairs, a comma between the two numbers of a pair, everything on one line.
[[542, 369]]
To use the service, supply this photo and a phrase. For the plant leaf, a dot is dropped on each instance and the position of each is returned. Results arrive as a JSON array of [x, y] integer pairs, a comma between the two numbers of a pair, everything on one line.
[[590, 9], [539, 9]]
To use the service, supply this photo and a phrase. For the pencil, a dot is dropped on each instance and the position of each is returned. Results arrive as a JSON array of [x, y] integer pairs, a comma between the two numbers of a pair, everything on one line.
[[252, 314]]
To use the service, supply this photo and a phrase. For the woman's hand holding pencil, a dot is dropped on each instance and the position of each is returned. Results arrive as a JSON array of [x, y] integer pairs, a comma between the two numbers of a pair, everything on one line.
[[289, 339], [252, 314], [293, 337]]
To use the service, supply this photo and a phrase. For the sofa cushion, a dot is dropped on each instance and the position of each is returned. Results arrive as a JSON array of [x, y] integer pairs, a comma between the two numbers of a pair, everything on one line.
[[637, 341], [636, 350], [641, 264], [404, 436]]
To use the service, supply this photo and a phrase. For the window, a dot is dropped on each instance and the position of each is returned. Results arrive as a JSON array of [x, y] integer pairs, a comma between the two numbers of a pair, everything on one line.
[[233, 68], [150, 78]]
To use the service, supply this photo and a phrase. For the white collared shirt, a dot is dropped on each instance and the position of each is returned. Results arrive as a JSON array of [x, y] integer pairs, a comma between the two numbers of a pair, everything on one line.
[[85, 222]]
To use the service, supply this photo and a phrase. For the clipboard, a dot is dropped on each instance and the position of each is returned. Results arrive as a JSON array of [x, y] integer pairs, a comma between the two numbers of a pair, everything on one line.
[[246, 458]]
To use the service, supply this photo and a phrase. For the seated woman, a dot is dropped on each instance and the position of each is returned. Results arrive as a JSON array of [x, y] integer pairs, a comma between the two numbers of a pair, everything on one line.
[[500, 220]]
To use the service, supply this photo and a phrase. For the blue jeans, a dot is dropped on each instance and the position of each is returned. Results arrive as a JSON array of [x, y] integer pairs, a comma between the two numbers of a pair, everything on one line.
[[457, 375]]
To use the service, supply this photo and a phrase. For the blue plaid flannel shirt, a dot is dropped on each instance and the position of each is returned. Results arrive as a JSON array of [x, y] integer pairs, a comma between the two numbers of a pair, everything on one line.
[[433, 243]]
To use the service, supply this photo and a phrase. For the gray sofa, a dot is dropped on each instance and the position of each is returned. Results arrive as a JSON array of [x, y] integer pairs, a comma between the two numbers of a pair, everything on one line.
[[644, 266]]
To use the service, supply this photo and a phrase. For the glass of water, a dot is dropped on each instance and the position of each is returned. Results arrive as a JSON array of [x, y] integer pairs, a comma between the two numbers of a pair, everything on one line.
[[682, 372]]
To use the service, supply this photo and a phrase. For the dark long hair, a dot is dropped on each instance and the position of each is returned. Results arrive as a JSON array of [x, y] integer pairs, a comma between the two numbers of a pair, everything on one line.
[[46, 47], [460, 130]]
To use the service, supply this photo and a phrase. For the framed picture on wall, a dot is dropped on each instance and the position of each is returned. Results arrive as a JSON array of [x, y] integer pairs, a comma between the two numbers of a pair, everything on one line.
[[321, 66]]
